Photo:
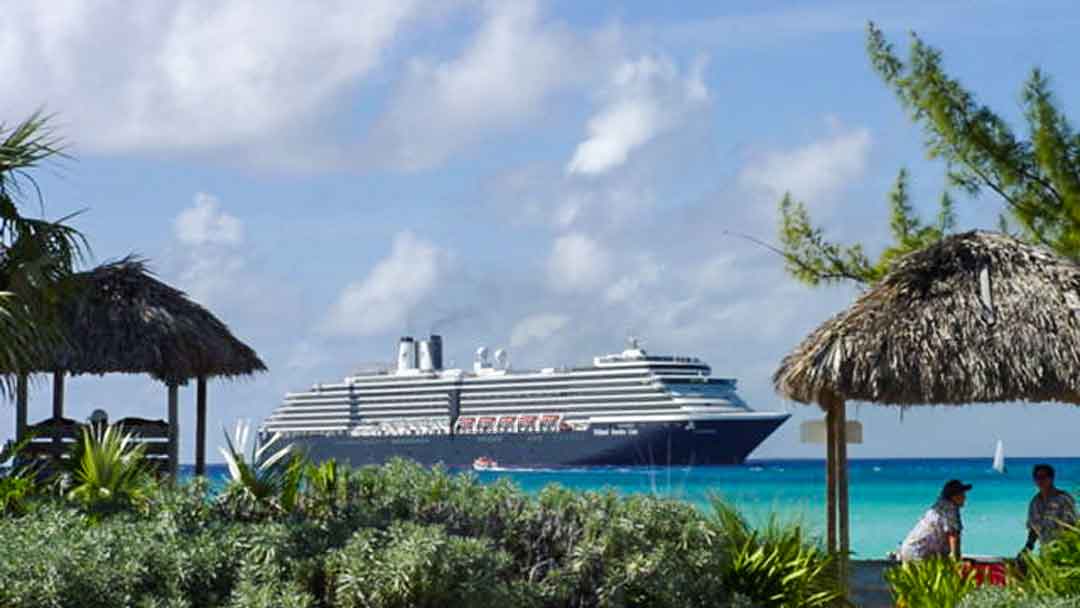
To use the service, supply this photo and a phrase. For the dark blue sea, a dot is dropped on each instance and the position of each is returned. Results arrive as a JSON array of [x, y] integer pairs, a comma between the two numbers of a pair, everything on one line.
[[887, 496]]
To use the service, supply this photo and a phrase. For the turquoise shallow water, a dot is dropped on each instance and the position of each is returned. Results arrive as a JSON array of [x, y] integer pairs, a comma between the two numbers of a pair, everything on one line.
[[887, 496]]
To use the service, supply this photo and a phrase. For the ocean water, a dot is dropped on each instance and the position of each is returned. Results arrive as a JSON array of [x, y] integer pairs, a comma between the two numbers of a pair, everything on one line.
[[887, 496]]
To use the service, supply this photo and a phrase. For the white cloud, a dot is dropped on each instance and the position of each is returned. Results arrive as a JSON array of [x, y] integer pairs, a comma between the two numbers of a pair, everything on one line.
[[645, 98], [397, 284], [577, 263], [189, 74], [814, 173], [644, 274], [515, 62], [606, 206], [720, 272], [536, 328], [204, 223], [211, 261]]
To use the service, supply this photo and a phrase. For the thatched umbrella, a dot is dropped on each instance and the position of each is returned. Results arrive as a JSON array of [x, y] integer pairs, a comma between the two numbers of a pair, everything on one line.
[[121, 319], [124, 320], [977, 317]]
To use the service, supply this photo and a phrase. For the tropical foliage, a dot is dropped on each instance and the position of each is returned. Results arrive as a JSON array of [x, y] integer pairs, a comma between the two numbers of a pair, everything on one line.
[[263, 478], [108, 469], [933, 583], [411, 565], [1055, 569], [36, 255], [775, 565], [18, 482], [811, 258], [402, 535], [1049, 578], [998, 597], [1034, 175]]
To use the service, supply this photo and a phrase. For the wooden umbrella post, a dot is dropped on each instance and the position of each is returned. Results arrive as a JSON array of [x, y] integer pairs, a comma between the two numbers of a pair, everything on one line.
[[830, 479], [174, 429], [22, 399], [58, 411], [842, 488], [200, 426]]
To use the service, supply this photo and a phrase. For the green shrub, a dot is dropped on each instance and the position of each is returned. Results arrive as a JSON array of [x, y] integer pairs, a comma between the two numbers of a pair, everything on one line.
[[326, 489], [15, 493], [776, 566], [1054, 570], [415, 566], [60, 557], [998, 597], [403, 535], [268, 587], [18, 483], [109, 470], [263, 481], [931, 583], [599, 549]]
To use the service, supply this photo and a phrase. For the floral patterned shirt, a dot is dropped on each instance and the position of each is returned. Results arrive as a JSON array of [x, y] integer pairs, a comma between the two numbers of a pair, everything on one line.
[[930, 537], [1047, 516]]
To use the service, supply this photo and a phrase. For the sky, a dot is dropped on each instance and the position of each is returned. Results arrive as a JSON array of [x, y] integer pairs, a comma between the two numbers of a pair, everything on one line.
[[548, 177]]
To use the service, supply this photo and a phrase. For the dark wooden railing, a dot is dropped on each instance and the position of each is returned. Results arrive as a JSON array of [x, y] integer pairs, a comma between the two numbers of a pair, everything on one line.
[[54, 438]]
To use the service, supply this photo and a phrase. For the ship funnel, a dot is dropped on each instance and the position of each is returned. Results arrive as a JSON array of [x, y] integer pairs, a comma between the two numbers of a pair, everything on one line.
[[435, 344], [406, 359], [427, 362]]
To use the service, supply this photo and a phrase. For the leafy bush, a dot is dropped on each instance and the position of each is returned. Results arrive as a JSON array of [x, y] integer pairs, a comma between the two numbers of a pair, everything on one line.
[[997, 597], [931, 583], [109, 469], [268, 588], [404, 535], [15, 491], [261, 482], [1055, 569], [327, 488], [775, 566], [17, 482], [61, 557], [415, 566]]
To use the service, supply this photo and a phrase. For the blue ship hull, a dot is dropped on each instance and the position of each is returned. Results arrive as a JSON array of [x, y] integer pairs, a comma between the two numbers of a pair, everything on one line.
[[647, 444]]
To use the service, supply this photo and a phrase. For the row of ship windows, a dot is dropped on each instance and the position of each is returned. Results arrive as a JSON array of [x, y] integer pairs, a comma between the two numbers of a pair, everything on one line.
[[501, 382], [494, 384], [590, 377], [375, 399], [438, 409], [510, 404], [480, 402], [471, 392], [423, 414]]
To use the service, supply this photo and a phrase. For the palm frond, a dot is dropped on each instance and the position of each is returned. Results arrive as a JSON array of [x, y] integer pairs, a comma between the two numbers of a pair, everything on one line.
[[260, 481], [109, 469]]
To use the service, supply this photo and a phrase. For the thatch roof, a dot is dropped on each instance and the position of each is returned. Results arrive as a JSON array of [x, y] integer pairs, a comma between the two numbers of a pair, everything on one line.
[[939, 329], [121, 319]]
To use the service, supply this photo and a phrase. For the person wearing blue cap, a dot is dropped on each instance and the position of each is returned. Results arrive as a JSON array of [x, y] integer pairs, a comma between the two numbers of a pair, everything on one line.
[[938, 532]]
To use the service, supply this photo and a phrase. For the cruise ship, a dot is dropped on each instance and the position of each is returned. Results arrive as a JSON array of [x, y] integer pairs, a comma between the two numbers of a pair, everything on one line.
[[629, 409]]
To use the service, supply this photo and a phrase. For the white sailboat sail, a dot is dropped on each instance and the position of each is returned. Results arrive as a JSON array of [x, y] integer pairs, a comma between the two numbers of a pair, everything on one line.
[[999, 457]]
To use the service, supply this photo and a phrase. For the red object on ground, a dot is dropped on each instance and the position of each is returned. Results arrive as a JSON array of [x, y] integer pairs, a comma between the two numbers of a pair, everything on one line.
[[986, 573]]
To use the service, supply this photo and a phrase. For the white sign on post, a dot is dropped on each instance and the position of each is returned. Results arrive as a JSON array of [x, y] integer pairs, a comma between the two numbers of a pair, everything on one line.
[[814, 431]]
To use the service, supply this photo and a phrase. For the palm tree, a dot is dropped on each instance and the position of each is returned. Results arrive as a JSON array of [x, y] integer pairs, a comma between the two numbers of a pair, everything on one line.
[[37, 256]]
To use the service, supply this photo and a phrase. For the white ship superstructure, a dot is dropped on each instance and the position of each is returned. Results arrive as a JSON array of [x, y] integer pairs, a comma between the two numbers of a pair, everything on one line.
[[419, 397]]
